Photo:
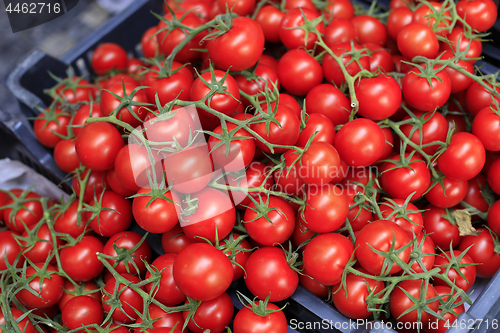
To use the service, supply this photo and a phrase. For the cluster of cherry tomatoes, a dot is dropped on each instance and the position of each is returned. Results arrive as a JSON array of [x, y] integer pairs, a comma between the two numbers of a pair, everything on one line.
[[279, 142]]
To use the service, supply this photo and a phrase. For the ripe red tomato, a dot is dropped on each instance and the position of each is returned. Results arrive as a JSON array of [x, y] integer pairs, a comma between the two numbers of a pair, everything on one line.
[[464, 280], [269, 274], [157, 216], [134, 167], [299, 72], [240, 47], [360, 142], [338, 31], [351, 301], [293, 37], [339, 9], [48, 123], [246, 321], [80, 260], [319, 164], [400, 302], [329, 101], [269, 18], [149, 43], [97, 145], [479, 14], [166, 291], [286, 134], [399, 183], [379, 97], [169, 39], [256, 175], [417, 39], [408, 218], [24, 325], [76, 90], [423, 15], [65, 155], [107, 57], [50, 290], [82, 311], [381, 235], [453, 193], [486, 127], [163, 320], [494, 176], [84, 112], [326, 256], [27, 210], [397, 20], [238, 155], [464, 158], [423, 255], [434, 129], [125, 241], [331, 69], [109, 222], [129, 299], [66, 222], [275, 227], [176, 84], [457, 38], [86, 288], [421, 95], [9, 249], [202, 272], [166, 127], [449, 317], [482, 252], [369, 29], [319, 126], [380, 58], [326, 209], [188, 170], [212, 315], [215, 214], [174, 241], [442, 230], [38, 245], [109, 103]]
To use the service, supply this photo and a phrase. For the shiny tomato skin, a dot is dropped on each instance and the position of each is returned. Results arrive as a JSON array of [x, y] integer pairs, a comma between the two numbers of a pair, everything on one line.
[[80, 260], [400, 302], [42, 248], [269, 18], [453, 193], [65, 155], [434, 129], [340, 30], [397, 20], [246, 321], [81, 116], [109, 103], [328, 100], [319, 126], [24, 325], [287, 134], [464, 158], [202, 272], [167, 291], [149, 43], [457, 37], [423, 15], [360, 142], [331, 69], [97, 145], [240, 47], [293, 37], [29, 215], [177, 85], [319, 164], [164, 319], [51, 290], [82, 311], [486, 127], [9, 249], [416, 39], [268, 273], [380, 234], [401, 182], [326, 256], [45, 131], [426, 252], [339, 9], [174, 240], [129, 240], [326, 210], [352, 303], [412, 227], [95, 185], [129, 299], [480, 14], [482, 252], [441, 230], [158, 216], [420, 95], [110, 222], [369, 29], [108, 56], [494, 176], [90, 289], [459, 81], [299, 72], [379, 97], [469, 272], [213, 315], [274, 229], [67, 221], [215, 214]]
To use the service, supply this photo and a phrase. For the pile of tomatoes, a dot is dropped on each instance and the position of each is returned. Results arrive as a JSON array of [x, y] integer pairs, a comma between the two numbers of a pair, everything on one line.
[[278, 142]]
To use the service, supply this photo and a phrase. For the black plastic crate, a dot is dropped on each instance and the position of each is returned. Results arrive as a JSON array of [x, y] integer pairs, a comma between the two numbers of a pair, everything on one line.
[[30, 78]]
